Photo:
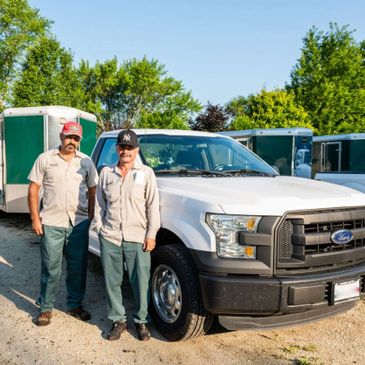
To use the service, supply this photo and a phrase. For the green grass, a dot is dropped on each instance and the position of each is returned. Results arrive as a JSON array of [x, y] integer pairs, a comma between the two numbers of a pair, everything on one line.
[[292, 349], [303, 361], [307, 361], [310, 347], [295, 348]]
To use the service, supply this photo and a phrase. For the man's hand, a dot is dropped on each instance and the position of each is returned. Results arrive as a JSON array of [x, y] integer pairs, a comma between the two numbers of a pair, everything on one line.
[[149, 244], [37, 227]]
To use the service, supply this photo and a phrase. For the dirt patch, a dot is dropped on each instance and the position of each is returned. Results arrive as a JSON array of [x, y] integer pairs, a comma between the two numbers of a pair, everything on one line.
[[338, 340]]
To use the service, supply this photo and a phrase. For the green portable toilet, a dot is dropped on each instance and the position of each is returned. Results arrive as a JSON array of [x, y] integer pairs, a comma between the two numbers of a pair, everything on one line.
[[24, 134], [288, 150]]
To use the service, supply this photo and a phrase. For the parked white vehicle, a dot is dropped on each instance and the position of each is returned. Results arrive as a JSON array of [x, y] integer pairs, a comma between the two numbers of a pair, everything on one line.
[[339, 159], [239, 242]]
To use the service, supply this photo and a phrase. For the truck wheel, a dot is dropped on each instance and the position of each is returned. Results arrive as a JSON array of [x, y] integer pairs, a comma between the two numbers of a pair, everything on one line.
[[176, 305]]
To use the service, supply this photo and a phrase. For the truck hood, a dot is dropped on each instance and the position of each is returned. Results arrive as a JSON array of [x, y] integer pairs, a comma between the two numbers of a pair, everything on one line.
[[257, 195]]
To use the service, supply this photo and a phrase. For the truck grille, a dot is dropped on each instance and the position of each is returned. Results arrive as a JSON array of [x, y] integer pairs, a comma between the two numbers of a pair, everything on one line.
[[330, 227], [304, 239]]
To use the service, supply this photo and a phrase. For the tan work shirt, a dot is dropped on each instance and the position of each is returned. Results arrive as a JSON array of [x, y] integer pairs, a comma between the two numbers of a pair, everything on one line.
[[127, 208], [65, 187]]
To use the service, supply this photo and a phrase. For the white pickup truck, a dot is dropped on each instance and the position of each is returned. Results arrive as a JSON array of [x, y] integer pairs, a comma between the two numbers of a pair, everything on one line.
[[240, 243]]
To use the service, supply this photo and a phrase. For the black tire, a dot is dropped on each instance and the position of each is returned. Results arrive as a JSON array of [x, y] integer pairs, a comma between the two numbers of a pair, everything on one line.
[[190, 320]]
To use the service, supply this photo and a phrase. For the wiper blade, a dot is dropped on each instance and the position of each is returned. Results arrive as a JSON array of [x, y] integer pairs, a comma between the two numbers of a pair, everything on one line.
[[210, 173], [186, 172], [249, 172]]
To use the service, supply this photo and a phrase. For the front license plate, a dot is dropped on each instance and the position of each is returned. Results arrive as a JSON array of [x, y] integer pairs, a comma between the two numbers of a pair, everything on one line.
[[346, 291]]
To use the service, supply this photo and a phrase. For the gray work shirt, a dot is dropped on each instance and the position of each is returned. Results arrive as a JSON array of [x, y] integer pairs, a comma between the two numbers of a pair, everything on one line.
[[64, 187], [127, 208]]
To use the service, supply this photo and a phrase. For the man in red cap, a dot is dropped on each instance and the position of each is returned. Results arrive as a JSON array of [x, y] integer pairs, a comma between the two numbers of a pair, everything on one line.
[[68, 179]]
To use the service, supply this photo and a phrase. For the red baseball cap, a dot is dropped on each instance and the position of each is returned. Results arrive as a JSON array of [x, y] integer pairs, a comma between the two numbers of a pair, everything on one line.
[[72, 129]]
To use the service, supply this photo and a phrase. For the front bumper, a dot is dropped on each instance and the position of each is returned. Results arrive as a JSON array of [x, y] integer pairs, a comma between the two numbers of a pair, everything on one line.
[[243, 301]]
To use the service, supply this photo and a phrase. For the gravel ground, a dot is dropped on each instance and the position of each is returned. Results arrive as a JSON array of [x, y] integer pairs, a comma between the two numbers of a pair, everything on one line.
[[338, 340]]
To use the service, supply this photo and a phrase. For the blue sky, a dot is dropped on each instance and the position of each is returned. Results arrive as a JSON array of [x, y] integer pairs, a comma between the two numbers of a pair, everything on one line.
[[219, 49]]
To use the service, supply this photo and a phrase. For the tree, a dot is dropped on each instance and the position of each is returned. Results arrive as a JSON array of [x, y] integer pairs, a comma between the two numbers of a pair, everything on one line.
[[238, 106], [329, 80], [138, 94], [102, 88], [213, 119], [174, 113], [268, 109], [20, 26], [48, 77]]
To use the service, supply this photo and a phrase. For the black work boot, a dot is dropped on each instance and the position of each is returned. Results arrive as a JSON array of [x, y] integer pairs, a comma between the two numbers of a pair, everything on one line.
[[143, 332], [80, 313], [117, 329]]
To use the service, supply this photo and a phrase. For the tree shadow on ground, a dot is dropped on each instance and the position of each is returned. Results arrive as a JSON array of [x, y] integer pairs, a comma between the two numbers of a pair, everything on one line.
[[20, 276]]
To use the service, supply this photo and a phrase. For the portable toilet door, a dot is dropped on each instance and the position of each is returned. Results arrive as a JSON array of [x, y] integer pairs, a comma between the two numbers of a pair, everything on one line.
[[27, 132], [287, 150], [2, 162], [23, 141], [339, 159], [89, 124]]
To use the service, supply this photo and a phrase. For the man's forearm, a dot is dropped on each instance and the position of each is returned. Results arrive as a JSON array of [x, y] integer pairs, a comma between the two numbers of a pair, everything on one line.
[[91, 203], [33, 201]]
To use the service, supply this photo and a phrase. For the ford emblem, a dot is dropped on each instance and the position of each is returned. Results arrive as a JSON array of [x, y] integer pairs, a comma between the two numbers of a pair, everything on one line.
[[341, 237]]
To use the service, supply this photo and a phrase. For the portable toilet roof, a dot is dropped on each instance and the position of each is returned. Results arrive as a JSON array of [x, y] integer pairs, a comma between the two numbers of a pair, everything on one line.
[[56, 110], [339, 137], [269, 132]]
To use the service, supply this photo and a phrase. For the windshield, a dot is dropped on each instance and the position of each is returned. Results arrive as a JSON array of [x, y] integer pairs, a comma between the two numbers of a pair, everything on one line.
[[200, 153]]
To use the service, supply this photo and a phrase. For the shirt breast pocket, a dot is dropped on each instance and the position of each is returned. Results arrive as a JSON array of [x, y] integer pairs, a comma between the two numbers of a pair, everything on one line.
[[54, 173], [138, 192], [112, 193]]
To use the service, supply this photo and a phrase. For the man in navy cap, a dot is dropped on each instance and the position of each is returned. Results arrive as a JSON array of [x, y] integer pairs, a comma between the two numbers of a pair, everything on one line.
[[127, 219]]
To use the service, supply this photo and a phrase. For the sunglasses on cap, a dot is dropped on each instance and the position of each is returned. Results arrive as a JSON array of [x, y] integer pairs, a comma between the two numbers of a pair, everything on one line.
[[74, 137], [126, 147]]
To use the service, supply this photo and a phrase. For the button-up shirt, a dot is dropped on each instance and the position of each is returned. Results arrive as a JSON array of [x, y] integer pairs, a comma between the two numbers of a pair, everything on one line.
[[64, 187], [127, 208]]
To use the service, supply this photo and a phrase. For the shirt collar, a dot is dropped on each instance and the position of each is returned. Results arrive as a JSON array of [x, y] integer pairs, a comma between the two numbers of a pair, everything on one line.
[[116, 169], [137, 166]]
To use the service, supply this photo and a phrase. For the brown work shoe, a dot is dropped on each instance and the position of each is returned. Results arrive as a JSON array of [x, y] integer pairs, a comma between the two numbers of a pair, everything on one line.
[[117, 329], [44, 318], [143, 332], [80, 313]]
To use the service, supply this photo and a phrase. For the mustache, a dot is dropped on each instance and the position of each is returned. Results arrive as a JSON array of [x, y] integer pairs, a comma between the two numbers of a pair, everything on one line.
[[71, 144]]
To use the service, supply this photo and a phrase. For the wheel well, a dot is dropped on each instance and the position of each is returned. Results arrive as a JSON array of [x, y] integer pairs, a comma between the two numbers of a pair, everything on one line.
[[166, 237]]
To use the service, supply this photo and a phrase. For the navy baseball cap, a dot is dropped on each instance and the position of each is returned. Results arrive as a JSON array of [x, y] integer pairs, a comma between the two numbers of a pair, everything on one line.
[[127, 138]]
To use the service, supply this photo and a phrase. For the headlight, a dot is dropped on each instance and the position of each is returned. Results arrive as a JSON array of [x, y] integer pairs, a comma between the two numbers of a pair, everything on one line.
[[226, 228]]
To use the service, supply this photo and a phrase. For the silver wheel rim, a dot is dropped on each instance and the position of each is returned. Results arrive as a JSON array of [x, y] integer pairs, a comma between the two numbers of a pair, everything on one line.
[[166, 293]]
